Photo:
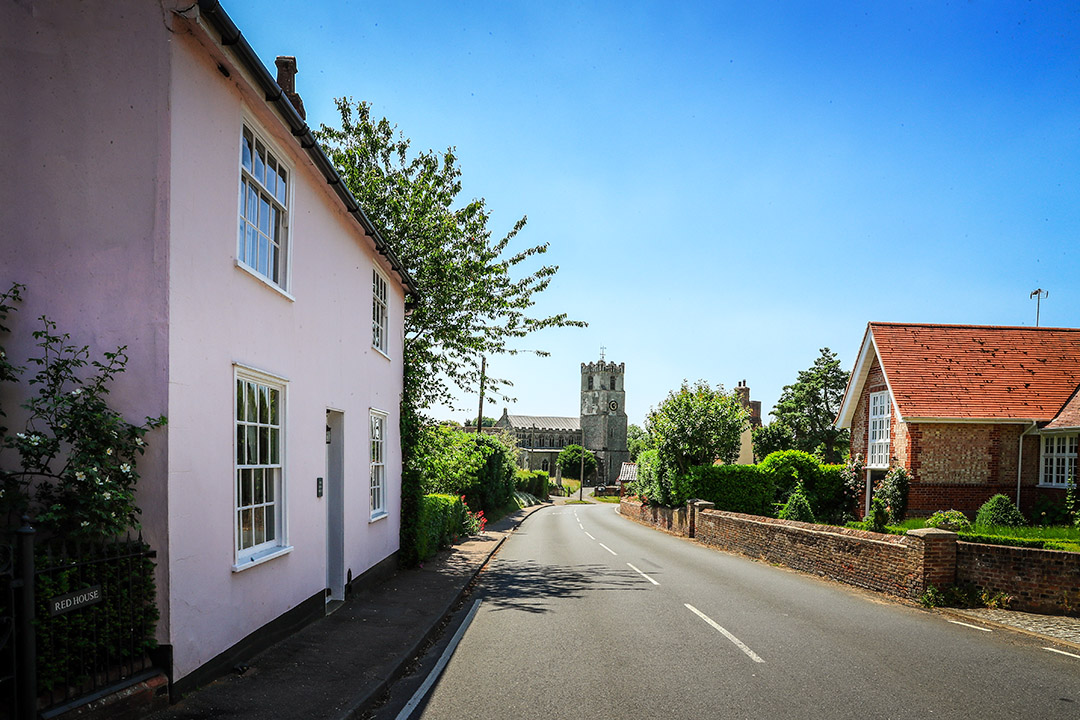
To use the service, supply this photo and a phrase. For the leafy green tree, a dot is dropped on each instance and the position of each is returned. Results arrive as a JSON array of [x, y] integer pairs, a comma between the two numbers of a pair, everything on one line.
[[474, 298], [809, 406], [569, 461], [774, 437], [470, 304], [696, 425], [637, 441], [488, 422]]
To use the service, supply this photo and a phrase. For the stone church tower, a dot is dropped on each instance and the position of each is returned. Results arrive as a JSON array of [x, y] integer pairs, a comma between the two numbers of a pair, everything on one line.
[[603, 416]]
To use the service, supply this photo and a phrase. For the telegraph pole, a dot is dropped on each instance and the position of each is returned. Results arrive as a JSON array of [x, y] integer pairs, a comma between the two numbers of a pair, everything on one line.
[[480, 415]]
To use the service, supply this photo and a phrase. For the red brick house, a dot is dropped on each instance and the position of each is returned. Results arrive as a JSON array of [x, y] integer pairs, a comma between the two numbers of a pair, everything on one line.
[[969, 411]]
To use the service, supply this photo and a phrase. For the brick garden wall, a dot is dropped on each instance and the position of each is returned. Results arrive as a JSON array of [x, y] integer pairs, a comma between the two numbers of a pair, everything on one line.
[[672, 520], [886, 563], [1044, 581]]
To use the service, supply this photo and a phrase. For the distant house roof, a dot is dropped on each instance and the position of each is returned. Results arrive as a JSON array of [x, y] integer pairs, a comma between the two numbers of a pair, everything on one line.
[[540, 422], [628, 473], [969, 372]]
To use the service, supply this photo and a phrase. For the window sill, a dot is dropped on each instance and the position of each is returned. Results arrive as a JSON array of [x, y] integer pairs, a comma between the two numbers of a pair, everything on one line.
[[263, 280], [260, 557], [378, 516], [1052, 486], [382, 353]]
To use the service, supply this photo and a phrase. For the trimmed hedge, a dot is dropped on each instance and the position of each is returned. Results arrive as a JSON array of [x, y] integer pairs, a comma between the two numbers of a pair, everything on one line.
[[440, 521], [534, 482], [822, 484], [735, 488]]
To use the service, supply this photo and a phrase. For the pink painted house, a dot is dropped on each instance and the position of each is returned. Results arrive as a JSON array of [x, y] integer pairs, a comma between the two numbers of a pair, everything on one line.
[[161, 191], [969, 411]]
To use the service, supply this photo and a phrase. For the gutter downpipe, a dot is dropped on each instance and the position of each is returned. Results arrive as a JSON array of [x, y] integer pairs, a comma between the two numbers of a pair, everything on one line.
[[232, 37], [1020, 461]]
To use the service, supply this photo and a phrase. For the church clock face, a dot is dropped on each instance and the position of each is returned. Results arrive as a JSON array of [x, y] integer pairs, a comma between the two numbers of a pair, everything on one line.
[[613, 405]]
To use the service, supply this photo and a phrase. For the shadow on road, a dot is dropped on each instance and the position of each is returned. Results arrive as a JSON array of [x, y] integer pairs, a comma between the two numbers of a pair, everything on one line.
[[527, 585]]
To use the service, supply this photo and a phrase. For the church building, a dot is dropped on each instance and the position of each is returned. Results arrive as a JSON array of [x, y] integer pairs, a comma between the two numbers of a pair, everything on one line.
[[600, 426]]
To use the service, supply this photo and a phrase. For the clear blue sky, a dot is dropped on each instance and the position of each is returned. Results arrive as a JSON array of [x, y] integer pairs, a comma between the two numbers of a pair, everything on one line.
[[729, 186]]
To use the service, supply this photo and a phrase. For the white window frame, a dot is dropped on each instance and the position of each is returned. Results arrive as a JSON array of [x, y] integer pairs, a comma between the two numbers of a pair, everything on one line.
[[380, 311], [1057, 461], [878, 428], [263, 248], [377, 458], [258, 431]]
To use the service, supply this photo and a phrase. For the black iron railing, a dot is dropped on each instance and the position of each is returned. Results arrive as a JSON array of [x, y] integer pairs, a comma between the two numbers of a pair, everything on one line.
[[82, 618]]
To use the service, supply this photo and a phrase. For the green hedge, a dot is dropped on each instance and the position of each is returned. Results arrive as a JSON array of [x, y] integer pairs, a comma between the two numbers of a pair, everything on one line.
[[822, 484], [534, 482], [440, 521], [735, 488]]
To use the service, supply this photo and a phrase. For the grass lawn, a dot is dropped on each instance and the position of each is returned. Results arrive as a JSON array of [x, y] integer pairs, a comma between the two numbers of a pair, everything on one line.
[[606, 498], [578, 502], [1056, 534]]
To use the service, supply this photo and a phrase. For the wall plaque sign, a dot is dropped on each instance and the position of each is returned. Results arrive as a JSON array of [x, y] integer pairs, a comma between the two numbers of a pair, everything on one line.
[[74, 600]]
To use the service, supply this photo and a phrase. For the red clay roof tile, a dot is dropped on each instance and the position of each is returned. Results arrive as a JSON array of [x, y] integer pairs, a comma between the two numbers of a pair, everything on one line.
[[972, 371]]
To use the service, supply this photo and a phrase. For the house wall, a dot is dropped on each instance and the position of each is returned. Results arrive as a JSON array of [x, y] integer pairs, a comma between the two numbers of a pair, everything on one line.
[[84, 138], [319, 341]]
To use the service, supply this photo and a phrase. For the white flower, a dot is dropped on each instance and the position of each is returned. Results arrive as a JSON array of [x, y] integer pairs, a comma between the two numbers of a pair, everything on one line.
[[21, 436], [107, 496], [139, 441], [125, 468], [80, 476], [85, 523], [108, 451], [77, 391]]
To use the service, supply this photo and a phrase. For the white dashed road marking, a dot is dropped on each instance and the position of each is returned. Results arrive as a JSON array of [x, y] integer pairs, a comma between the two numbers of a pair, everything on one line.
[[590, 536], [738, 643], [1062, 652], [642, 574], [608, 549]]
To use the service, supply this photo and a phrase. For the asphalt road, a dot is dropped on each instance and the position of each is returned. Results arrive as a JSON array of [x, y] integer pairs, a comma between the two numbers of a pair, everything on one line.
[[586, 614]]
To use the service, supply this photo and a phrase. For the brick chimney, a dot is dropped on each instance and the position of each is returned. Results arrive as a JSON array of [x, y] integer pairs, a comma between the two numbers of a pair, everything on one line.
[[286, 80], [742, 394]]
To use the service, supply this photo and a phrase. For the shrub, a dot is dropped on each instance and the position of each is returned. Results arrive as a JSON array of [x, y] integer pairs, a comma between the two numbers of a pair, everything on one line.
[[999, 510], [823, 485], [787, 468], [534, 482], [441, 519], [829, 499], [878, 517], [1072, 501], [1046, 512], [480, 467], [954, 519], [650, 482], [735, 488], [893, 490], [797, 507], [77, 456]]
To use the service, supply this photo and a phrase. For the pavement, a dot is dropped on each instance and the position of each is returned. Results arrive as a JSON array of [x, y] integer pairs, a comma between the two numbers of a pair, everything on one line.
[[342, 666]]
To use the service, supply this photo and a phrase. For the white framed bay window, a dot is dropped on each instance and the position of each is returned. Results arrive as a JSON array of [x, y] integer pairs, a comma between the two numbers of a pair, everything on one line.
[[878, 451], [262, 245], [378, 464], [259, 477], [1058, 460]]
